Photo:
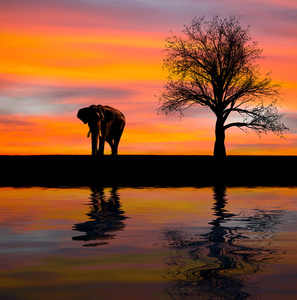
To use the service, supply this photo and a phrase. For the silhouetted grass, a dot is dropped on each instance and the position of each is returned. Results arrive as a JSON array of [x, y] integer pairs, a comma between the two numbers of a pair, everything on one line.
[[147, 170]]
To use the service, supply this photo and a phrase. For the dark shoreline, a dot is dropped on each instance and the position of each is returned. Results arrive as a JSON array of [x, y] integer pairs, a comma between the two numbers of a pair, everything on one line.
[[147, 170]]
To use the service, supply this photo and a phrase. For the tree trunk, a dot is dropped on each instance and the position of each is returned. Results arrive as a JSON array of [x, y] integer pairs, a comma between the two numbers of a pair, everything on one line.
[[219, 148]]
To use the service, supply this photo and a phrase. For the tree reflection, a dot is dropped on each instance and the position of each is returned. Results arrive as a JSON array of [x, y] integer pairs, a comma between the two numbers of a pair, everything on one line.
[[106, 218], [215, 265]]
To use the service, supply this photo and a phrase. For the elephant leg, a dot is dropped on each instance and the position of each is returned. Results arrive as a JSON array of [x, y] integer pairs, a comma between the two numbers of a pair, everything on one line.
[[115, 146], [111, 144], [94, 143], [116, 143], [101, 145]]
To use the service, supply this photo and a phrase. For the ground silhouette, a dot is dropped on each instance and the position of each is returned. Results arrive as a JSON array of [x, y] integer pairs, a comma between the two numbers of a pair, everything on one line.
[[147, 170]]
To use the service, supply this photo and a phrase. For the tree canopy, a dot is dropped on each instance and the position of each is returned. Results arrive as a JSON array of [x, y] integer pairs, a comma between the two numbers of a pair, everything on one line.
[[213, 64]]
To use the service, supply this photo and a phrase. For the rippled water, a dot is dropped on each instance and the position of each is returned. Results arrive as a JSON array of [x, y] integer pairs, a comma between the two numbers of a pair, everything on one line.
[[150, 243]]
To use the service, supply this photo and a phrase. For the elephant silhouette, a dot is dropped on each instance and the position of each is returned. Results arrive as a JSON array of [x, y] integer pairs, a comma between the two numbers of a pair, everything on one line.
[[106, 217], [106, 124]]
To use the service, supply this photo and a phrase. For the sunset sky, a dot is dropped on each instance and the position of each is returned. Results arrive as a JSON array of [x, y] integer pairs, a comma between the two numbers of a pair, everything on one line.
[[58, 56]]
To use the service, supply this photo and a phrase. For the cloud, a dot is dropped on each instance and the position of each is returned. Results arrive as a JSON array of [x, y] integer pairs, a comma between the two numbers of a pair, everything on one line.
[[13, 122], [290, 120], [49, 43], [38, 99], [85, 14], [267, 16]]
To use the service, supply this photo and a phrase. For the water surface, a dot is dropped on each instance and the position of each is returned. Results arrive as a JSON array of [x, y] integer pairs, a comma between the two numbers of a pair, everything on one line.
[[150, 243]]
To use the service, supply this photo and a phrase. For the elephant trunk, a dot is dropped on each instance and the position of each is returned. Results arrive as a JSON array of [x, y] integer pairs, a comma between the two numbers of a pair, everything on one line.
[[99, 130]]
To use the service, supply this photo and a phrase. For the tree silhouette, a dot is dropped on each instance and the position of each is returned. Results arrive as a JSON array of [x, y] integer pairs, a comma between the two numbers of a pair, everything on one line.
[[218, 263], [213, 64]]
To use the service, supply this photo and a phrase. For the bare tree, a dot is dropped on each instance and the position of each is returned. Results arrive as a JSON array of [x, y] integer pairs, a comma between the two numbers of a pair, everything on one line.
[[213, 64]]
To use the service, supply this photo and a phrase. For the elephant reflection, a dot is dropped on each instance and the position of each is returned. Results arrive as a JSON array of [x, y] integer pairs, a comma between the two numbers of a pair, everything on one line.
[[213, 265], [105, 123], [106, 218]]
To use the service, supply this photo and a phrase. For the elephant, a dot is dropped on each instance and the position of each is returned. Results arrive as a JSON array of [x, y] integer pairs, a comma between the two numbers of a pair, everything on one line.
[[104, 122]]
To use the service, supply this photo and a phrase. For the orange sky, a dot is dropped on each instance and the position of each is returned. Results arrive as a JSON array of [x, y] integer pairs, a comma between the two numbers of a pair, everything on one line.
[[58, 56]]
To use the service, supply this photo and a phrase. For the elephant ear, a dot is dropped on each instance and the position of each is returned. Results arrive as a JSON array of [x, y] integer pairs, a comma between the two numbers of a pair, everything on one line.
[[108, 114], [98, 111], [100, 114]]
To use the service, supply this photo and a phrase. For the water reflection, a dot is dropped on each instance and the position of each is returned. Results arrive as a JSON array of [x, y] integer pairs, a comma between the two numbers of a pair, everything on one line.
[[216, 265], [106, 218]]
